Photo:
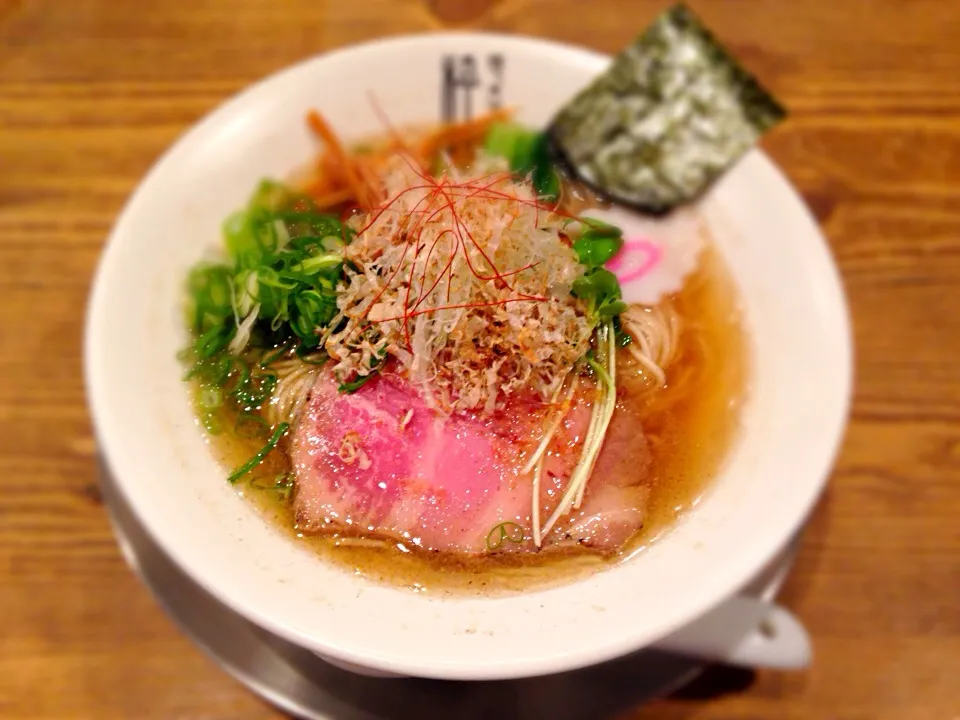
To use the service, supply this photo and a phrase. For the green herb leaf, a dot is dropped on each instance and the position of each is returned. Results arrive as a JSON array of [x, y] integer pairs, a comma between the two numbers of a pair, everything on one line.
[[600, 290], [611, 307], [593, 228], [594, 251]]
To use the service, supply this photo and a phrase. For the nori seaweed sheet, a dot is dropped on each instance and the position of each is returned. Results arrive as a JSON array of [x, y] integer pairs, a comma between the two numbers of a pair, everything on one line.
[[669, 116]]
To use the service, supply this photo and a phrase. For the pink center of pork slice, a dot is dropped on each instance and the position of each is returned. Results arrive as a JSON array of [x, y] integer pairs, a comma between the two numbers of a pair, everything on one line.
[[381, 462]]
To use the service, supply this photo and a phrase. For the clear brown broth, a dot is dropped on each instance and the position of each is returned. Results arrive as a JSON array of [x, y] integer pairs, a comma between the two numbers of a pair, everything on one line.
[[691, 424]]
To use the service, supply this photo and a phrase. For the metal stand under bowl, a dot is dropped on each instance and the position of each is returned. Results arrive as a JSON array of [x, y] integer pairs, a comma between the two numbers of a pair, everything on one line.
[[301, 684]]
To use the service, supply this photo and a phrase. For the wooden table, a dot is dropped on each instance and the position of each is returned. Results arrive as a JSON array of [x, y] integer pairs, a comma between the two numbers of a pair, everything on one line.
[[91, 91]]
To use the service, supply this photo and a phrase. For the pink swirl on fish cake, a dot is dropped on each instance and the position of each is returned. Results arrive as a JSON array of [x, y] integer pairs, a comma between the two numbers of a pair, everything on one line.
[[635, 259]]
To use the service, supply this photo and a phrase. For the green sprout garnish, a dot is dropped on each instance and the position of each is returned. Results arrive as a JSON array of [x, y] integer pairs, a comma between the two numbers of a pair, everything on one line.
[[598, 287], [600, 291]]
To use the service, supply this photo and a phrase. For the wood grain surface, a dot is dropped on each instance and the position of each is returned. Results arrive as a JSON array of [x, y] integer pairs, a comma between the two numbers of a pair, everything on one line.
[[92, 91]]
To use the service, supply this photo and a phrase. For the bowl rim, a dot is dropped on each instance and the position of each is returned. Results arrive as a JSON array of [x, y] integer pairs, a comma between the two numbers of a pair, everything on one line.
[[588, 653]]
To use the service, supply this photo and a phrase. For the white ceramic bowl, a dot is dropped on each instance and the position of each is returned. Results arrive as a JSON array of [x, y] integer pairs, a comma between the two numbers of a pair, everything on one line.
[[794, 420]]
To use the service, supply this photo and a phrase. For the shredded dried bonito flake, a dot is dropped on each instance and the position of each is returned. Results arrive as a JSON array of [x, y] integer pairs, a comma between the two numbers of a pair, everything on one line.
[[463, 280]]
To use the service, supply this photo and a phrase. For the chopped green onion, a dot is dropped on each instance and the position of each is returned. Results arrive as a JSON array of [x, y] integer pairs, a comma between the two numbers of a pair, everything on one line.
[[313, 358], [332, 243], [361, 380], [213, 341], [210, 397], [318, 263], [274, 196], [250, 236], [354, 385], [285, 257], [314, 225], [250, 425], [282, 484], [239, 377], [254, 391], [272, 357], [211, 421], [504, 532], [275, 294], [261, 453], [269, 277], [210, 305]]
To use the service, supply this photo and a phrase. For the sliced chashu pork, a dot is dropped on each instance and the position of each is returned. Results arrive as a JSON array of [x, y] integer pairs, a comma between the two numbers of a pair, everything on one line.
[[380, 462]]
